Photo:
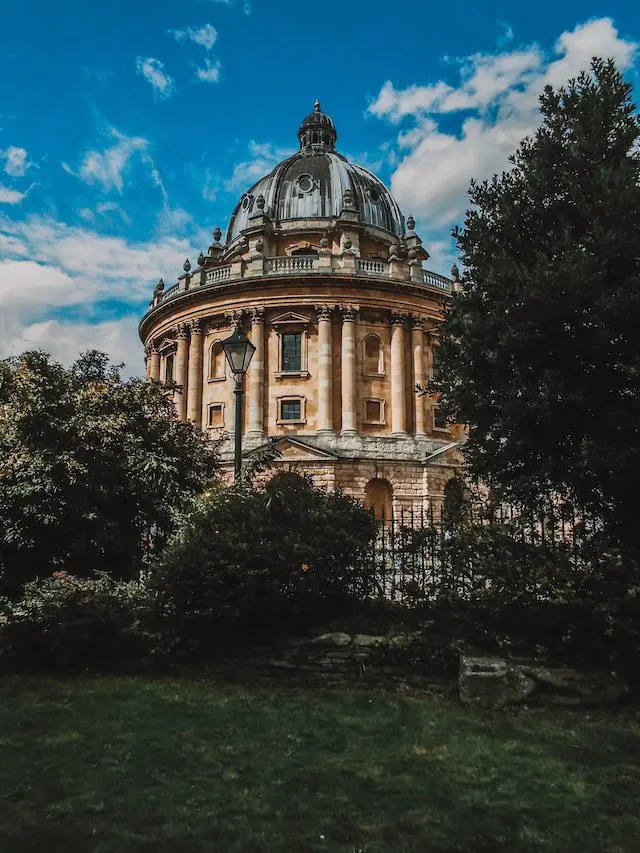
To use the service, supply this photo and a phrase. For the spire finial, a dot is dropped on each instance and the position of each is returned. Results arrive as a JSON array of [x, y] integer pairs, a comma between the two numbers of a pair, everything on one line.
[[316, 106]]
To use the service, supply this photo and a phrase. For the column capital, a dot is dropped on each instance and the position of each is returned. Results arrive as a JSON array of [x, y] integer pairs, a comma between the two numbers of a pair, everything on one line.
[[398, 318], [197, 327], [182, 331], [257, 314], [348, 313], [324, 312], [416, 322], [235, 318]]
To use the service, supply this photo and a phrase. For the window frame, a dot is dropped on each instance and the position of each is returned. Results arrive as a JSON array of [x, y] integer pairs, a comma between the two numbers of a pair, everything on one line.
[[291, 398], [383, 411], [291, 324], [210, 376], [381, 356], [222, 408]]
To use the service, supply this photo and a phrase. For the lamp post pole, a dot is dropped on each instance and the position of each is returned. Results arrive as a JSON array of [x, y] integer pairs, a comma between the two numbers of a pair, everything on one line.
[[237, 459], [239, 351]]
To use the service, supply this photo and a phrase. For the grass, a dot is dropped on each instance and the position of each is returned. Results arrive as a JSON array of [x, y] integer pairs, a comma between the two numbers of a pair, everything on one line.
[[125, 764]]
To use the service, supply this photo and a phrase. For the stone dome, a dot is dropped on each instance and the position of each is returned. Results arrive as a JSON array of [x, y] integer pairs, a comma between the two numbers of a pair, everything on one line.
[[312, 185]]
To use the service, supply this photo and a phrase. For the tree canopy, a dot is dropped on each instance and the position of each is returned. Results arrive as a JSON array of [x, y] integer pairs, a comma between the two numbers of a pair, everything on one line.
[[540, 349], [91, 467]]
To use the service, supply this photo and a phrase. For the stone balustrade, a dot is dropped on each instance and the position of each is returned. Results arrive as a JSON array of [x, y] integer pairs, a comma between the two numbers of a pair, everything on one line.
[[298, 265]]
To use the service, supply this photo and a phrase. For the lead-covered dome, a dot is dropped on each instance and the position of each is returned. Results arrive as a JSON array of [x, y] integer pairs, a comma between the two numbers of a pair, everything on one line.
[[312, 185]]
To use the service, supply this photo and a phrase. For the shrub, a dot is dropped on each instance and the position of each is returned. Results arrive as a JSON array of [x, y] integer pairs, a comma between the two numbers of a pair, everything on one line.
[[251, 563], [69, 624]]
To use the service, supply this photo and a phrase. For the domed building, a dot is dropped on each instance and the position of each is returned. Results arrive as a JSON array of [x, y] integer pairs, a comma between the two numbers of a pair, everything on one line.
[[325, 276]]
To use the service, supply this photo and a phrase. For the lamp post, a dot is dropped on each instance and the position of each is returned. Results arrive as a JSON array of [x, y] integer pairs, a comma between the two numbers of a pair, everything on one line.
[[238, 351]]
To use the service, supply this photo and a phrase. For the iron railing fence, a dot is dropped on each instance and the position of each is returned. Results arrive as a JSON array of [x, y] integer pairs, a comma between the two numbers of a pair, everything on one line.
[[422, 554]]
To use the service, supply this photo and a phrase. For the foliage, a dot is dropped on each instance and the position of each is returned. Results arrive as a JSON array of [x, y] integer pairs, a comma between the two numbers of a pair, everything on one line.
[[539, 352], [91, 466], [248, 562], [501, 589], [69, 624], [103, 764]]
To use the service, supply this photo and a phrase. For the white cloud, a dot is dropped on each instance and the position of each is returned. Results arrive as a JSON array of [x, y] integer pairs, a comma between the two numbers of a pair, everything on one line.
[[499, 94], [9, 196], [15, 161], [205, 35], [54, 266], [264, 156], [153, 71], [210, 73], [107, 167], [65, 341]]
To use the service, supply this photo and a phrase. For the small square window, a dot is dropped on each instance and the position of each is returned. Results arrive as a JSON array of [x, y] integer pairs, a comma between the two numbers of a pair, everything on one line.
[[216, 415], [373, 410], [290, 410], [439, 421]]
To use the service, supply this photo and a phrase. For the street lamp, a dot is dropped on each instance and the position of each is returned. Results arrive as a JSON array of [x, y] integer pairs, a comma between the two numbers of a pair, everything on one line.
[[238, 351]]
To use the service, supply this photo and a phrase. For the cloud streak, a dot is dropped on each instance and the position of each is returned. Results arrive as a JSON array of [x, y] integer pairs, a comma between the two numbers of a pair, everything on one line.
[[153, 72]]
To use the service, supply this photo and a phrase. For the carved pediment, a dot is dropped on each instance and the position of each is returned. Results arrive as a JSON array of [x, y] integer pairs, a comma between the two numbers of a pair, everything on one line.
[[167, 344], [294, 450], [290, 319]]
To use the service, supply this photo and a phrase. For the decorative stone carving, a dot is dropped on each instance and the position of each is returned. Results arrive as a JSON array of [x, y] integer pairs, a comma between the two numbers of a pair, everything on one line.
[[182, 331], [324, 311], [197, 327], [348, 312], [257, 314], [399, 319], [411, 223], [235, 318], [260, 203], [259, 245]]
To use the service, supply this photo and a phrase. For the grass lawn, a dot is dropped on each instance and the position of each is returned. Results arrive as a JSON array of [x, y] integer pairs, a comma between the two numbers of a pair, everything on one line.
[[124, 764]]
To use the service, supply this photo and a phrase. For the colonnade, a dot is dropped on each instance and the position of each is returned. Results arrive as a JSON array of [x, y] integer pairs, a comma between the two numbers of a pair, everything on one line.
[[189, 371]]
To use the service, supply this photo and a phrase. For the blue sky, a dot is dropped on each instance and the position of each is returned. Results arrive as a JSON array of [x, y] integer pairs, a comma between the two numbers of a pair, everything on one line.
[[128, 130]]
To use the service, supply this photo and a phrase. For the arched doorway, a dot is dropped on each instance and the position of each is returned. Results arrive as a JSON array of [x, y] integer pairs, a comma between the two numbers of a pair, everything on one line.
[[378, 494]]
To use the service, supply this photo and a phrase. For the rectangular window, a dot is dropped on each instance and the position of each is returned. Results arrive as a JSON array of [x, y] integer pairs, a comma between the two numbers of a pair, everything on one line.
[[216, 415], [291, 352], [373, 411], [439, 421], [290, 410]]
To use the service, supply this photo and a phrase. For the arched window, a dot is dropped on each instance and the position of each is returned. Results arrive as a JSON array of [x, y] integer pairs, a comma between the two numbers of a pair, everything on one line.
[[373, 355], [217, 361], [378, 495], [168, 368]]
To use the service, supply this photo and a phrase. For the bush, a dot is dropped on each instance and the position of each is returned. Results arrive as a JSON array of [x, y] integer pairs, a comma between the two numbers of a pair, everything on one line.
[[249, 564], [69, 624]]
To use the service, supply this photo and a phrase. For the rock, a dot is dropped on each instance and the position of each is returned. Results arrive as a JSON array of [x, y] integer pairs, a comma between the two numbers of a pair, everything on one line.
[[494, 682], [338, 638], [367, 640], [491, 682], [565, 686]]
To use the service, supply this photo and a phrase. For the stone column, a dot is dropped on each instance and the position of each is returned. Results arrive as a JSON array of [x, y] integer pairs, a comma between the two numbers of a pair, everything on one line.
[[194, 393], [348, 370], [182, 356], [398, 397], [256, 375], [417, 346], [325, 368], [154, 368]]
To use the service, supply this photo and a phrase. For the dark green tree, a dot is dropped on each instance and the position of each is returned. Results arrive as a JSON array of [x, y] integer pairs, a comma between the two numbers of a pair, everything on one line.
[[540, 350], [91, 468]]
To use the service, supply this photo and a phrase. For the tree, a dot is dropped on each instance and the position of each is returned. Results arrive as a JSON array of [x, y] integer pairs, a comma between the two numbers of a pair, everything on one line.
[[91, 467], [540, 349]]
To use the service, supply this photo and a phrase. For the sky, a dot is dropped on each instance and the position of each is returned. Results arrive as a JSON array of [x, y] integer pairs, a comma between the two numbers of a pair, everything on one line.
[[128, 130]]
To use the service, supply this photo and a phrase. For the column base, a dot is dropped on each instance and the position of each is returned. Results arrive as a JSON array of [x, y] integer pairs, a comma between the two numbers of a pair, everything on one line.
[[325, 433], [348, 432], [400, 434]]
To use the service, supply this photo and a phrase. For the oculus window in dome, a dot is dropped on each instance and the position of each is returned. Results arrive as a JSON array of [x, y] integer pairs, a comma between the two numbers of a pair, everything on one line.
[[312, 184]]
